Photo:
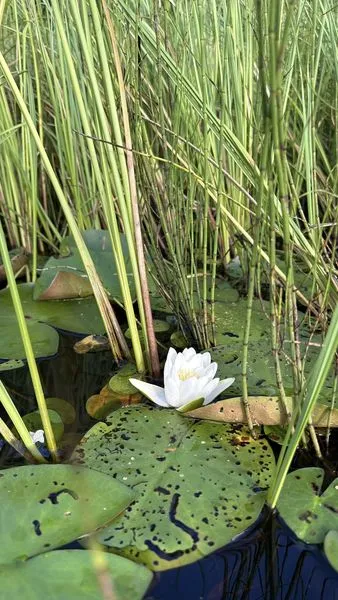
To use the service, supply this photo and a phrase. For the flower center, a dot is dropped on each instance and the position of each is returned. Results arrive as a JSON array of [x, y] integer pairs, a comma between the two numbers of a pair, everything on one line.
[[184, 374]]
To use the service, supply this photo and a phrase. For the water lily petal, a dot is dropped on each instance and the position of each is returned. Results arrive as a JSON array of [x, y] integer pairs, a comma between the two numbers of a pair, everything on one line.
[[188, 353], [172, 393], [210, 371], [154, 392], [196, 362], [222, 385], [189, 390], [179, 363], [169, 363], [210, 387], [206, 358], [37, 436]]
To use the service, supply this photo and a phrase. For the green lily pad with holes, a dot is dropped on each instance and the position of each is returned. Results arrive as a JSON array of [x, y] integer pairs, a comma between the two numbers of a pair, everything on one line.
[[307, 510], [261, 368], [66, 277], [71, 575], [33, 422], [46, 506], [63, 408], [331, 548], [78, 316], [11, 365], [197, 488], [230, 321]]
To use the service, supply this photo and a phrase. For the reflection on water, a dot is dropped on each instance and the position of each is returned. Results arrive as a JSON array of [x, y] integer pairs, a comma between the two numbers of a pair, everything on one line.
[[266, 564]]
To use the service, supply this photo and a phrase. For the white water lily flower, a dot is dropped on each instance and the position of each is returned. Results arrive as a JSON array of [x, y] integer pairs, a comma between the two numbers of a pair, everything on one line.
[[38, 436], [189, 381]]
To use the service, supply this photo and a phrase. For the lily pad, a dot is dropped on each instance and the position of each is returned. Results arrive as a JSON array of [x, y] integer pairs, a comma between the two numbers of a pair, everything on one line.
[[162, 330], [264, 410], [11, 365], [45, 339], [78, 316], [99, 406], [331, 548], [65, 276], [197, 488], [178, 340], [307, 511], [64, 409], [230, 321], [71, 574], [261, 368], [33, 422], [120, 385], [46, 506]]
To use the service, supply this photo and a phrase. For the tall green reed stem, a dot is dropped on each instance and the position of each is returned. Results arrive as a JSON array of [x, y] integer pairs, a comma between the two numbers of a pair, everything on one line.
[[33, 369]]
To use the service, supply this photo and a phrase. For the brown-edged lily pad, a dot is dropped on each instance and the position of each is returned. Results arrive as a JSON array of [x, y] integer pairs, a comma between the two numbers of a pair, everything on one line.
[[264, 410], [66, 277]]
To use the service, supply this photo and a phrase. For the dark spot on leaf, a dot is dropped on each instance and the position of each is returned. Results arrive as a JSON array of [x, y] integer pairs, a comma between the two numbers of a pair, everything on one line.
[[332, 508], [172, 516], [53, 496], [37, 529], [230, 334], [161, 553], [162, 490], [308, 516]]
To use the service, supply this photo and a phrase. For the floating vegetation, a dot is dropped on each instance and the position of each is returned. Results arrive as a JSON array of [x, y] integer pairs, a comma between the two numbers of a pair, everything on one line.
[[197, 484]]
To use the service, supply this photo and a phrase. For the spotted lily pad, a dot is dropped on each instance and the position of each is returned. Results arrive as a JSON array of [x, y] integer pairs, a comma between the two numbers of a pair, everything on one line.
[[33, 422], [261, 367], [71, 574], [331, 548], [198, 486], [46, 506], [306, 510], [264, 410], [11, 365], [78, 316], [66, 277]]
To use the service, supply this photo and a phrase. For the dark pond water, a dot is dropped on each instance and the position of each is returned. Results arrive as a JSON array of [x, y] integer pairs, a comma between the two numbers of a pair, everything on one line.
[[267, 563]]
